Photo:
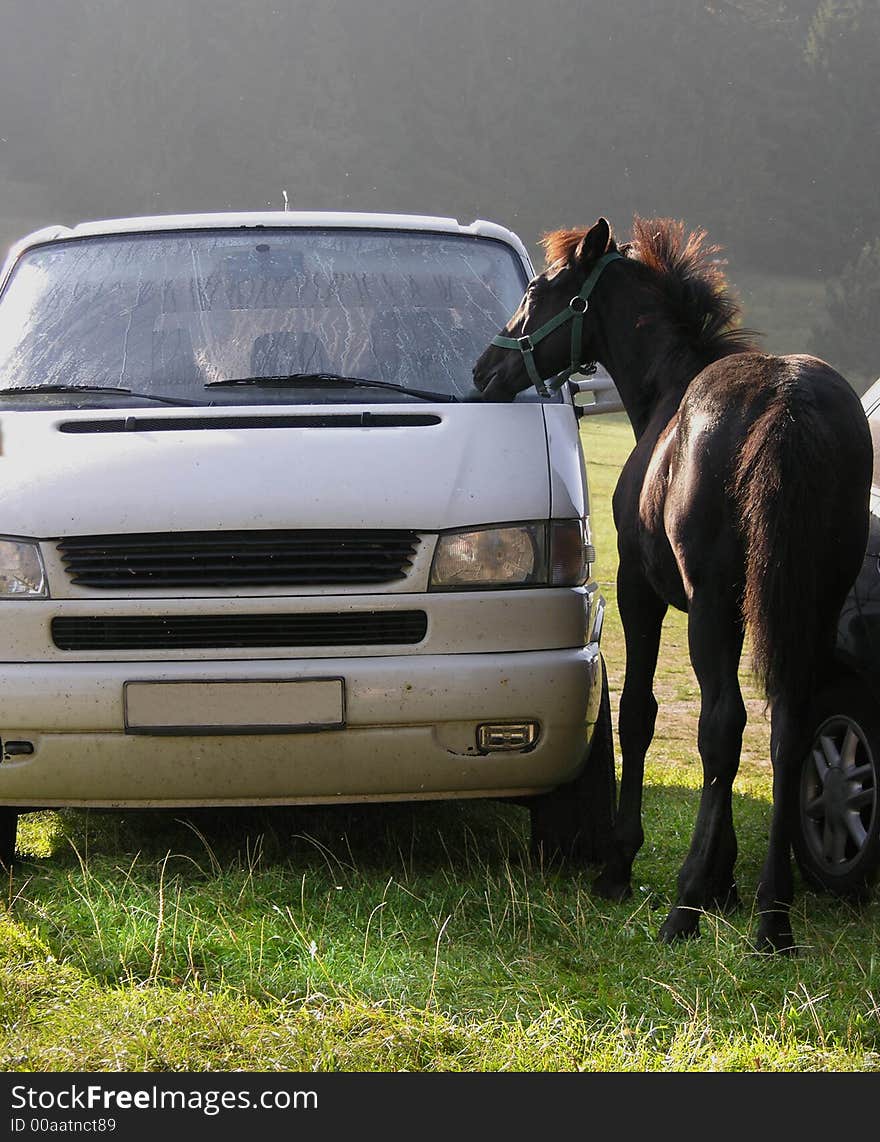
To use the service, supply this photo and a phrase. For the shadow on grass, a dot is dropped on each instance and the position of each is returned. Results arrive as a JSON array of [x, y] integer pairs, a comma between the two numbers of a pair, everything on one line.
[[369, 837], [289, 900], [412, 838], [462, 841]]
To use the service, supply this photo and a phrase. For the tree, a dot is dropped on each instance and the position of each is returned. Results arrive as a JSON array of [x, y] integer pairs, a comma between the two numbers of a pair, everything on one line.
[[850, 337]]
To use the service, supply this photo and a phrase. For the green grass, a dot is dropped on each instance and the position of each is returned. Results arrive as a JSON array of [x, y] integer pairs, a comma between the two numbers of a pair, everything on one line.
[[422, 937]]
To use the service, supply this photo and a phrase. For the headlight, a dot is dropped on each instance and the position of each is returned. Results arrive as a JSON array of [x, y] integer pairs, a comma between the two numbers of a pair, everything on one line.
[[518, 555], [21, 570]]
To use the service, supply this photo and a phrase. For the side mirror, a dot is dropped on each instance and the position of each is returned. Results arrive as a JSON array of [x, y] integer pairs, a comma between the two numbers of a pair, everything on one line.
[[594, 394]]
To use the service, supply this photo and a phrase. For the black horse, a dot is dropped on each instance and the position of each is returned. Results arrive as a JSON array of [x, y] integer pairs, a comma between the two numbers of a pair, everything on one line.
[[744, 503]]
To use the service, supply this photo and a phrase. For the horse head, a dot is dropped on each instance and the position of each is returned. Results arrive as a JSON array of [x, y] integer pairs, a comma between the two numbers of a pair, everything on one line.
[[552, 333]]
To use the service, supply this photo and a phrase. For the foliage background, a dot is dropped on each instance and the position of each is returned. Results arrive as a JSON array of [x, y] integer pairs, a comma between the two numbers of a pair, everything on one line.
[[755, 119]]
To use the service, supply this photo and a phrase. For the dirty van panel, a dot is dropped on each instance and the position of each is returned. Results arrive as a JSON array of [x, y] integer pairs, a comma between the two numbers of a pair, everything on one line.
[[477, 464], [568, 476]]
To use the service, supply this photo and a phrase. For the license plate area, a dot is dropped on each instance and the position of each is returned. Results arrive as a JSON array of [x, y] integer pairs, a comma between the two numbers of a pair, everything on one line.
[[231, 706]]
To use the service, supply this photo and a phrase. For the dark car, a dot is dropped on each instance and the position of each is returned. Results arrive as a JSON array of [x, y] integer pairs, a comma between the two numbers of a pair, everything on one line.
[[837, 837]]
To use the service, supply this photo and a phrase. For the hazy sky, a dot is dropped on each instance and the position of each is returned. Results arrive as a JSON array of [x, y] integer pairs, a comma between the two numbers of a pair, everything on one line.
[[533, 115]]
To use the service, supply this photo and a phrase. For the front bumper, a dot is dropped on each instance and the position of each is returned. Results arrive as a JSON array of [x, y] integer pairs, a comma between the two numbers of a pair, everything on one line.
[[410, 724]]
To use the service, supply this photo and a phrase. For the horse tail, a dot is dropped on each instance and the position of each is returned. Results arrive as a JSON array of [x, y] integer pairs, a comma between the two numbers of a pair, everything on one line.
[[800, 497]]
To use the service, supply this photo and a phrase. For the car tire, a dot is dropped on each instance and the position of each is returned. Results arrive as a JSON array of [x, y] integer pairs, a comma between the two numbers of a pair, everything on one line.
[[836, 835], [8, 833], [573, 823]]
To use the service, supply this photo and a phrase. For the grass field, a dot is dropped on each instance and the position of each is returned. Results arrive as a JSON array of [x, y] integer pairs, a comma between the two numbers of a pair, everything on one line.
[[422, 937]]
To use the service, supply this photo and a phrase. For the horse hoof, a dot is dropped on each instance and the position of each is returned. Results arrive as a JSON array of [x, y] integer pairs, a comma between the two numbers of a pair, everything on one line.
[[774, 935], [776, 944], [610, 888], [680, 924]]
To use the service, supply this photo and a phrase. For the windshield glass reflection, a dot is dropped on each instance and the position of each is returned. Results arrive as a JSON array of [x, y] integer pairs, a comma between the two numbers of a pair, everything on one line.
[[167, 314]]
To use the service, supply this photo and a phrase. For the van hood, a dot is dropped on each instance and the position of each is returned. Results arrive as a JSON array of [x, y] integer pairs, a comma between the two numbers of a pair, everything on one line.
[[425, 467]]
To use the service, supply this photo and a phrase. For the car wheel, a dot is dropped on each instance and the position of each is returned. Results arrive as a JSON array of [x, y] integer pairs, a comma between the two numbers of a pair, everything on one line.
[[574, 822], [838, 816]]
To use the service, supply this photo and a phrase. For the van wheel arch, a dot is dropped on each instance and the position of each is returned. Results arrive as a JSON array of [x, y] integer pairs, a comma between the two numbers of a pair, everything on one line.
[[573, 824]]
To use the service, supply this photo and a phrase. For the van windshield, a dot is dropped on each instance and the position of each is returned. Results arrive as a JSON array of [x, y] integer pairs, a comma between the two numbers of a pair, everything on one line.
[[170, 314]]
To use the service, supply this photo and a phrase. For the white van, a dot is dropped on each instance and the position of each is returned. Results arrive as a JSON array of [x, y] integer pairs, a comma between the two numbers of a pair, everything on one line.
[[258, 547]]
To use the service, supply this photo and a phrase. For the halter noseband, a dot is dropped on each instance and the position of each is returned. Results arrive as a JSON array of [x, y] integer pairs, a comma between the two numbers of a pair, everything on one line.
[[574, 312]]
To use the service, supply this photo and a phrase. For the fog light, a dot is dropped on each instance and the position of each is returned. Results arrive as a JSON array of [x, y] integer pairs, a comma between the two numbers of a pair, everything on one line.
[[504, 737]]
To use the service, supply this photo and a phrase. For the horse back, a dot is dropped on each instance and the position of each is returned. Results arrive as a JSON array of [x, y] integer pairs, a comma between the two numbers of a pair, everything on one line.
[[738, 407], [683, 497]]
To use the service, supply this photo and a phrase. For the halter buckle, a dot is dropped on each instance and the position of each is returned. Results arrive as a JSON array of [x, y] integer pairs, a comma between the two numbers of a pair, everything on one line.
[[579, 304], [525, 344]]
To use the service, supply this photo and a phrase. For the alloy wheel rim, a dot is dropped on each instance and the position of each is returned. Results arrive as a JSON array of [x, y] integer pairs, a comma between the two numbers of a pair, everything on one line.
[[838, 795]]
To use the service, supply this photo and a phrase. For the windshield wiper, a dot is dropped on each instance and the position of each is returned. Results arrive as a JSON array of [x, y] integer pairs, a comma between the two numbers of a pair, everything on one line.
[[332, 379], [14, 389]]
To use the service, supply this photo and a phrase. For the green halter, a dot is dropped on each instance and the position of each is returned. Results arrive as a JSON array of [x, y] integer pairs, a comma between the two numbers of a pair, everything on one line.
[[574, 312]]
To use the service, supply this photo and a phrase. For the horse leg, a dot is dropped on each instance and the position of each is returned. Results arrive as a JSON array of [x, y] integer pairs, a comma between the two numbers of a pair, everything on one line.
[[776, 887], [641, 611], [706, 879]]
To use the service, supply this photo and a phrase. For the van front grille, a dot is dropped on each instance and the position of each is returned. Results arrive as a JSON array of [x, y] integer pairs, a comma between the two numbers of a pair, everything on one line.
[[224, 632], [318, 558]]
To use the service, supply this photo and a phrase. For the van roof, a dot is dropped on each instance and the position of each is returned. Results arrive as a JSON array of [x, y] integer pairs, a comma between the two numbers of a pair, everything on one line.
[[318, 219]]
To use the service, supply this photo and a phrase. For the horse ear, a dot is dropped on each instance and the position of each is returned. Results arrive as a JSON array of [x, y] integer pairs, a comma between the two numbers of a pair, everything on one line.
[[596, 242]]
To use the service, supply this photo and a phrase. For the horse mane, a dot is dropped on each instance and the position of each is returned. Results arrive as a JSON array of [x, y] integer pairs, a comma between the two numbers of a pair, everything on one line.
[[560, 245], [697, 309]]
